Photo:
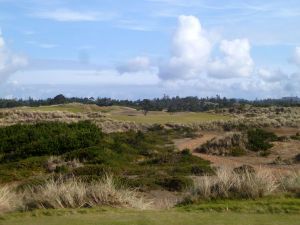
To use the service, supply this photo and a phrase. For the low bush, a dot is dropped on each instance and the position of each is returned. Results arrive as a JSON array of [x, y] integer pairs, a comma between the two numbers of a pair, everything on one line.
[[297, 158], [52, 138], [237, 151], [175, 183], [95, 170], [259, 140]]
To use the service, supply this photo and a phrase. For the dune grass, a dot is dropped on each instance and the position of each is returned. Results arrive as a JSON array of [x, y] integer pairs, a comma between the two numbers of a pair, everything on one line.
[[73, 108]]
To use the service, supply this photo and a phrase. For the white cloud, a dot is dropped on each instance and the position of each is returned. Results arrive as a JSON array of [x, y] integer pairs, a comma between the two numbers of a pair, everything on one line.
[[140, 63], [9, 62], [296, 56], [67, 15], [237, 61], [191, 54], [271, 75], [190, 50]]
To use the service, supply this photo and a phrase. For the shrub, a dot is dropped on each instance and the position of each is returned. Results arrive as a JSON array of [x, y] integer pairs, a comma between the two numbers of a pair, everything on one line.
[[186, 151], [175, 183], [297, 158], [96, 170], [52, 138], [259, 140], [237, 151]]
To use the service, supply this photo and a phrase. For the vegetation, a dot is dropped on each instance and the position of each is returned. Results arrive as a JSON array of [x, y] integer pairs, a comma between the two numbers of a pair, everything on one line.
[[174, 104], [24, 141], [259, 140], [83, 150], [282, 211], [229, 184], [237, 143], [165, 117]]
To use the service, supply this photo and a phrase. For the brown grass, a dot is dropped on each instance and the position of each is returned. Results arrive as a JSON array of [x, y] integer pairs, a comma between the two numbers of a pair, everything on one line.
[[9, 200], [74, 193], [228, 184]]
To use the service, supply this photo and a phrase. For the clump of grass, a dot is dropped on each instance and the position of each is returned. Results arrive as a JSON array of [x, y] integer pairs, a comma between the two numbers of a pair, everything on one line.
[[74, 193], [229, 184], [8, 199], [291, 183]]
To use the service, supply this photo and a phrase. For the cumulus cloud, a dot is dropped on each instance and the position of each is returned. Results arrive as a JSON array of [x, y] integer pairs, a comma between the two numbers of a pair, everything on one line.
[[139, 63], [9, 62], [296, 56], [190, 50], [191, 54], [237, 61]]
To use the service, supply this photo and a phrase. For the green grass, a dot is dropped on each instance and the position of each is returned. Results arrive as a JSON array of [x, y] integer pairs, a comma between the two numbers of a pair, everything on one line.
[[130, 217], [164, 117], [132, 115], [275, 205]]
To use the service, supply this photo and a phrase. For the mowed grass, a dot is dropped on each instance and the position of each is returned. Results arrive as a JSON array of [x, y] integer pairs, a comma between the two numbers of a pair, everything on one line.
[[127, 217], [266, 211], [132, 115], [165, 117]]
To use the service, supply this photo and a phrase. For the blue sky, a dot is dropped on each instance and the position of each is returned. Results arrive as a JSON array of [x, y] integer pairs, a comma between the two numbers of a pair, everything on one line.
[[145, 48]]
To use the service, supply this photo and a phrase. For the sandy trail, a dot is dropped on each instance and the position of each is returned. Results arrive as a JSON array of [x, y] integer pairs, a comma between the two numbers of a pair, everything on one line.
[[219, 161]]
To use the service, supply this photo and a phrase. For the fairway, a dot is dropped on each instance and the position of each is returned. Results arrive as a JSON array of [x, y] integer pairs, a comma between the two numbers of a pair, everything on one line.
[[125, 217], [164, 117], [132, 115]]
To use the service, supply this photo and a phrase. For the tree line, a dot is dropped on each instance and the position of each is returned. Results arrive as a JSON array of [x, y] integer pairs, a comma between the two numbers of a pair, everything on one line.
[[170, 104]]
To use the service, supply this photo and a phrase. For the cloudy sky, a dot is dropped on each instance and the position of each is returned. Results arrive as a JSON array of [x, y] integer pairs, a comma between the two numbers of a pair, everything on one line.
[[147, 48]]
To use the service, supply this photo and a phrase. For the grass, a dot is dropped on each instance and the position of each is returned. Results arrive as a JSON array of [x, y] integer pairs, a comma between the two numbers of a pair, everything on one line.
[[264, 205], [108, 216], [164, 117], [132, 115], [73, 108]]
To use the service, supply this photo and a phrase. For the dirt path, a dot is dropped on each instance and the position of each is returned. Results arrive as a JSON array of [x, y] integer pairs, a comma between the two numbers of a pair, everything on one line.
[[251, 159], [193, 143]]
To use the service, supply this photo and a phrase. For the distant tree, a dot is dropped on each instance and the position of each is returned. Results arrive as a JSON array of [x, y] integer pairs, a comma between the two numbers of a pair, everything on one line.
[[59, 99], [146, 106]]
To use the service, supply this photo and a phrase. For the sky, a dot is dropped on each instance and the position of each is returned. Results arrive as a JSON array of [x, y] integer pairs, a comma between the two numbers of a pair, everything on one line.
[[134, 49]]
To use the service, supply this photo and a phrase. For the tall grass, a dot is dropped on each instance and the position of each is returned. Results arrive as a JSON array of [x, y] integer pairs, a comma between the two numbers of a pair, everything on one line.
[[291, 182], [74, 193], [229, 184], [9, 200]]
